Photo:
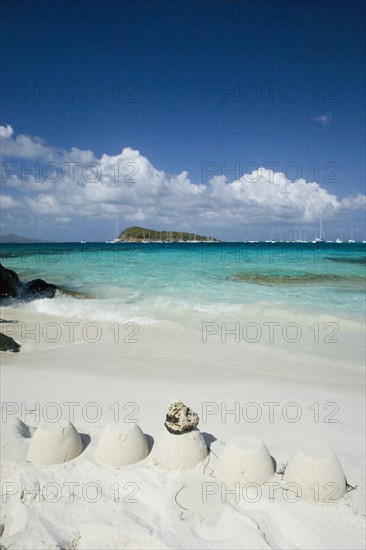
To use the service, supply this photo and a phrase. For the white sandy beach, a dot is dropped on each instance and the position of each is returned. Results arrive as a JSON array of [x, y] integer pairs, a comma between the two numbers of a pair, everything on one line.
[[288, 395]]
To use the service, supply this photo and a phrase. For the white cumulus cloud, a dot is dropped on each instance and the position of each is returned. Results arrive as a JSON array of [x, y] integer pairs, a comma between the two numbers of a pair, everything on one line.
[[63, 186], [6, 131]]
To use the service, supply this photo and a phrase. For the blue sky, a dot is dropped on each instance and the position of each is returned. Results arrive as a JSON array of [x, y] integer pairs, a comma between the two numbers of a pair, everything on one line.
[[204, 89]]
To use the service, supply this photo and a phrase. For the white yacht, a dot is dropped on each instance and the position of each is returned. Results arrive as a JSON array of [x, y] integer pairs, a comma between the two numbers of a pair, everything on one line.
[[320, 238], [116, 240]]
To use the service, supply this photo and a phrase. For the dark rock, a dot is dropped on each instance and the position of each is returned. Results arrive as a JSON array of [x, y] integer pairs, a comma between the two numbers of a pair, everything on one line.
[[8, 344], [38, 288], [180, 419], [10, 285]]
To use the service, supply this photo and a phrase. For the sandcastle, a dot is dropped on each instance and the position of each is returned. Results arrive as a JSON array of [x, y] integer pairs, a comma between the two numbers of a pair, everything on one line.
[[54, 444], [316, 474], [245, 459], [121, 446], [313, 473], [181, 446]]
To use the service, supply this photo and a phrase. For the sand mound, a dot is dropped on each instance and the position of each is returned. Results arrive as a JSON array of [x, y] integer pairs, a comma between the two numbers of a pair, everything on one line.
[[180, 451], [245, 459], [54, 444], [120, 445], [316, 474]]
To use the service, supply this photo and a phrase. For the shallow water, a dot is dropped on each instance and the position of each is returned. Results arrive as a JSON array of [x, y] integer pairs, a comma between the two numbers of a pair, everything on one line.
[[154, 282]]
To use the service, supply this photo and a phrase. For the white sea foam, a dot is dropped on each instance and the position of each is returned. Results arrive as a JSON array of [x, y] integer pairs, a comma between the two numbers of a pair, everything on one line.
[[97, 310], [170, 310]]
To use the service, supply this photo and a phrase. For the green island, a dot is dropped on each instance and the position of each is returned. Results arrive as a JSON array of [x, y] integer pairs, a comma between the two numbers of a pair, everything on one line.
[[142, 234]]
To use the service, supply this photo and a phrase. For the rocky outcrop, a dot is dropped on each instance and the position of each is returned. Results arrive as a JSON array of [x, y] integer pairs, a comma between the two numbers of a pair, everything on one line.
[[38, 288], [12, 287], [8, 344]]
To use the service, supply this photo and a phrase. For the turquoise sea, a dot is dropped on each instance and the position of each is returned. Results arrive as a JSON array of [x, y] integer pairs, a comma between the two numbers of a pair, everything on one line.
[[179, 282]]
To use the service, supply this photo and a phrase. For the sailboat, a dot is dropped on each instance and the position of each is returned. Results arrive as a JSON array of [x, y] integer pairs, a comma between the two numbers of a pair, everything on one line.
[[351, 240], [272, 239], [273, 235], [116, 240], [340, 240], [320, 239]]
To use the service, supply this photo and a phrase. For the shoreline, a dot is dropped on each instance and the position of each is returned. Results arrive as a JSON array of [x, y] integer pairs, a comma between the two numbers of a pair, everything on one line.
[[176, 360], [300, 334]]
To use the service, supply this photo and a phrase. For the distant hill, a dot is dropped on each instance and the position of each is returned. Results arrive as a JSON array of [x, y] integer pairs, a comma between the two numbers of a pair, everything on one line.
[[139, 234], [11, 238]]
